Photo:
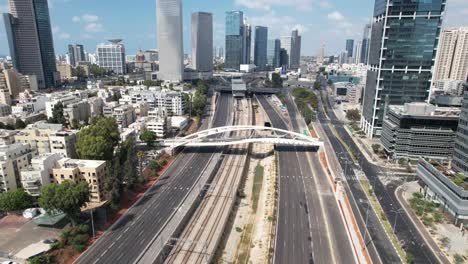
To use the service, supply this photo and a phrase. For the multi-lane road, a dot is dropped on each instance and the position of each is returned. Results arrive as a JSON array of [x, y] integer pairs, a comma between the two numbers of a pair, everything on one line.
[[127, 239], [310, 228], [405, 230]]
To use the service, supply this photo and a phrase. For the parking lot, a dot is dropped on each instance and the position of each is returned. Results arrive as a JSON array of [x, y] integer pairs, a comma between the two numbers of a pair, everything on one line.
[[17, 232]]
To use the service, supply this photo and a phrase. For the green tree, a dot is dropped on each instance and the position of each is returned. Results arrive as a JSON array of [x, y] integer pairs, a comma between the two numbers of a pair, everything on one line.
[[154, 166], [57, 114], [113, 181], [98, 71], [44, 259], [276, 80], [458, 259], [20, 124], [97, 142], [116, 96], [75, 124], [78, 72], [141, 156], [317, 85], [148, 136], [198, 104], [67, 197], [353, 115], [375, 148], [15, 201]]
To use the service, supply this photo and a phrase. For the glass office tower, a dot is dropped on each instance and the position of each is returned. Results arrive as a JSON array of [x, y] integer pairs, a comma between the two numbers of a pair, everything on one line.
[[460, 153], [234, 40], [30, 40], [350, 47], [403, 46], [202, 41], [260, 49], [273, 53]]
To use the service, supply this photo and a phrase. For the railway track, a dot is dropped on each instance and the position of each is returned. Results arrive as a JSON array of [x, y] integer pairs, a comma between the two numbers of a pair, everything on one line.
[[201, 236]]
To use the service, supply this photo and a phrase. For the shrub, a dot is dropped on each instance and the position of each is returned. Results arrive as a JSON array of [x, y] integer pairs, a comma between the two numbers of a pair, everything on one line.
[[80, 239], [79, 248]]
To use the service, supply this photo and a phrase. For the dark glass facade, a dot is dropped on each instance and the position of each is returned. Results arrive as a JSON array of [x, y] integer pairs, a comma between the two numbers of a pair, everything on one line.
[[460, 154], [403, 68], [261, 45], [273, 53], [234, 40], [350, 47]]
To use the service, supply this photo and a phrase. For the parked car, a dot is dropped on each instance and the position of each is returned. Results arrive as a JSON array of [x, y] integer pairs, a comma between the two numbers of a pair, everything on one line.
[[30, 213]]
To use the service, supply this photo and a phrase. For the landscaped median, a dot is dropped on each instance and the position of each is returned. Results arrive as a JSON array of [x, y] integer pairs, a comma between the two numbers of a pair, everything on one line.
[[385, 223]]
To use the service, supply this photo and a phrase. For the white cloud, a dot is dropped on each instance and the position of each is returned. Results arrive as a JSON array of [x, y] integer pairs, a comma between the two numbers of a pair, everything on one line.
[[64, 35], [76, 19], [55, 29], [267, 5], [335, 15], [278, 25], [94, 27], [89, 18]]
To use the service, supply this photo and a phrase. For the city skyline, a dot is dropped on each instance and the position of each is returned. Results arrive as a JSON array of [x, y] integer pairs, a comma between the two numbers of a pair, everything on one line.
[[331, 22]]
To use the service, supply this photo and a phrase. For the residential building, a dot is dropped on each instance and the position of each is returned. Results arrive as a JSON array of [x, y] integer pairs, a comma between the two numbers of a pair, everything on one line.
[[76, 54], [260, 48], [234, 40], [29, 36], [169, 103], [400, 64], [273, 53], [5, 110], [366, 37], [452, 87], [111, 56], [170, 40], [159, 125], [39, 173], [91, 171], [202, 41], [295, 55], [5, 97], [420, 130], [353, 94], [452, 55], [7, 137], [15, 82], [65, 71], [77, 112], [49, 139], [123, 114], [13, 158], [350, 47], [460, 154]]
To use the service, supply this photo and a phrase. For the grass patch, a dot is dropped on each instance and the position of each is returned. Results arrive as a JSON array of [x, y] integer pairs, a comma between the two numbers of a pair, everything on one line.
[[381, 214], [244, 247], [238, 229], [257, 186]]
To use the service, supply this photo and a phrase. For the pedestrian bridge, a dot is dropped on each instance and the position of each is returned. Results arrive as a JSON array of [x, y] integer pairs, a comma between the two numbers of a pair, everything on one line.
[[224, 136]]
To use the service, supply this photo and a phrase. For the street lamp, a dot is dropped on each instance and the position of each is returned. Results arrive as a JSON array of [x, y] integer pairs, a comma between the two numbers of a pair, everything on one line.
[[396, 212]]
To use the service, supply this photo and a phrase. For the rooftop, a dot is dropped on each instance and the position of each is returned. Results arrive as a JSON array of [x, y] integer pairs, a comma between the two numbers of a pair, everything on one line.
[[67, 163], [425, 110]]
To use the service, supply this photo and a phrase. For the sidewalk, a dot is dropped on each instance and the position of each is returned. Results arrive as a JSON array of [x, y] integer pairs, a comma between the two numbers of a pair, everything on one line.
[[421, 228]]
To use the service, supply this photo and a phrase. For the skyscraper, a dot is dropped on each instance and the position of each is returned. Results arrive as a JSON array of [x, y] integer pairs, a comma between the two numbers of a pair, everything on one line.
[[234, 40], [452, 55], [202, 41], [111, 56], [286, 42], [350, 46], [295, 56], [365, 44], [76, 54], [321, 54], [357, 52], [400, 63], [170, 40], [273, 53], [260, 49], [247, 50], [30, 40]]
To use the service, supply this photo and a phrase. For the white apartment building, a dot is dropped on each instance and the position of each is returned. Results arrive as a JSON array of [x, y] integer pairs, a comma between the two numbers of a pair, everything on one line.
[[13, 158], [170, 103], [39, 173], [159, 125], [123, 114], [452, 55]]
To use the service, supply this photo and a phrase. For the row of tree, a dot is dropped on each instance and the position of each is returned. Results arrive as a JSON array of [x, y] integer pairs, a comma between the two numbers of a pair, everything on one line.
[[198, 101], [304, 100]]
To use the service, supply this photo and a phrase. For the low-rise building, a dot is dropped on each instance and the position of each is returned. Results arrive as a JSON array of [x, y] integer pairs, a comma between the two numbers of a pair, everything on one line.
[[161, 126], [123, 114], [7, 137], [91, 171], [420, 130], [66, 71], [13, 158], [39, 173], [441, 188]]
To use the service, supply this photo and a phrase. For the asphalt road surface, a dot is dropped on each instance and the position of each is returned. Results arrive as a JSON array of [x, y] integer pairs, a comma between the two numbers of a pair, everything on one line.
[[405, 230], [309, 228], [124, 241]]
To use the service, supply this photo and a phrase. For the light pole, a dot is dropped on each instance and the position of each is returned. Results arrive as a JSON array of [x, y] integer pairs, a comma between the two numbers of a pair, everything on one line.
[[367, 218], [396, 212], [92, 223]]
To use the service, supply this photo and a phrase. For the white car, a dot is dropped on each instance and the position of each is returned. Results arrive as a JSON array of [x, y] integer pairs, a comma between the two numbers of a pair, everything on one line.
[[30, 213], [9, 262]]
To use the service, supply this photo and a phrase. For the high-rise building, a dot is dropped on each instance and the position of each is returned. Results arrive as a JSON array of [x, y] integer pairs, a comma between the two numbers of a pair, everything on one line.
[[321, 54], [76, 54], [170, 40], [452, 55], [284, 58], [400, 63], [460, 153], [365, 43], [234, 40], [357, 52], [295, 55], [261, 46], [273, 53], [111, 56], [202, 41], [350, 46], [286, 42], [30, 40], [247, 45]]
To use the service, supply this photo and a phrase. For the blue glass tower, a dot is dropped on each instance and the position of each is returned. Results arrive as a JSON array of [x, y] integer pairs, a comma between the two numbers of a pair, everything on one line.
[[261, 45], [403, 46], [273, 53], [350, 47], [30, 40], [234, 40]]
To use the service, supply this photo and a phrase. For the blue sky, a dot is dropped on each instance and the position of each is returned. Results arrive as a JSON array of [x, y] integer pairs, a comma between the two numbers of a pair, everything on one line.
[[90, 22]]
